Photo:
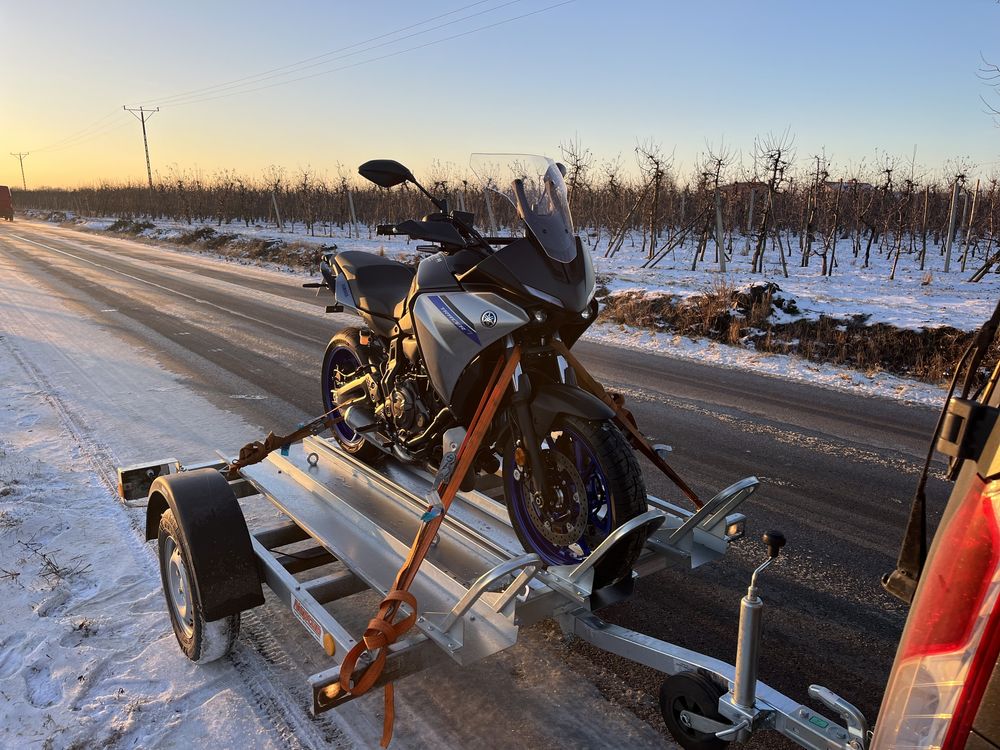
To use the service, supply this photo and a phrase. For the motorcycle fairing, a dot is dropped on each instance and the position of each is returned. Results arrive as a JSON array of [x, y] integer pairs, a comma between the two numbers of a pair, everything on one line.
[[523, 269], [453, 328], [454, 315]]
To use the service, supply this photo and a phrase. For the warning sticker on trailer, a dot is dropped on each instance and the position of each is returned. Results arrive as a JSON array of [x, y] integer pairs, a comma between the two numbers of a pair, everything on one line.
[[307, 619]]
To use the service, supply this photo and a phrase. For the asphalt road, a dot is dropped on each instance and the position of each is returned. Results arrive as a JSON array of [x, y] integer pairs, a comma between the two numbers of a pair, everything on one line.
[[838, 470]]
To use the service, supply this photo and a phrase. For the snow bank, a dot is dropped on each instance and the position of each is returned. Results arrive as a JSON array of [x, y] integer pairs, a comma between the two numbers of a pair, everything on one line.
[[785, 366], [914, 299]]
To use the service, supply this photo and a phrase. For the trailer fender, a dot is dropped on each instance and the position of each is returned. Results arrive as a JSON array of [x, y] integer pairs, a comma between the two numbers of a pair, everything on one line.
[[225, 575], [552, 399]]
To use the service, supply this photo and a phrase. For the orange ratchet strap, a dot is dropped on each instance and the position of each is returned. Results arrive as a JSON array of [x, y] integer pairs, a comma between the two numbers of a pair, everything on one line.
[[625, 420], [382, 631], [257, 451]]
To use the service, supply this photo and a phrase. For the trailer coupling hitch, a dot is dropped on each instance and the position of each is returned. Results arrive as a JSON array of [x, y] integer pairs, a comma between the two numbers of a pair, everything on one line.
[[741, 711], [857, 725]]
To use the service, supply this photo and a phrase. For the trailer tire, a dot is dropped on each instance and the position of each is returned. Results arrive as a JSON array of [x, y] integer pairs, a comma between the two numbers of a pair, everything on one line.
[[691, 691], [202, 642]]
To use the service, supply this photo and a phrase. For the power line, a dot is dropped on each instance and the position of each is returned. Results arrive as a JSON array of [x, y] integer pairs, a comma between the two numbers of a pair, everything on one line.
[[108, 128], [298, 67], [248, 80], [20, 157], [380, 57], [81, 133], [142, 115], [102, 127]]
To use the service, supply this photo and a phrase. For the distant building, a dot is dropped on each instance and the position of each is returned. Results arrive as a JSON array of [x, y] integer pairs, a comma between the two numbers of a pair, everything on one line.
[[741, 188], [864, 187]]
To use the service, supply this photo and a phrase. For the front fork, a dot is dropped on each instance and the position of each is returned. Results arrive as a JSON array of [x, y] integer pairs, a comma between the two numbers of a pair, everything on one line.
[[520, 404]]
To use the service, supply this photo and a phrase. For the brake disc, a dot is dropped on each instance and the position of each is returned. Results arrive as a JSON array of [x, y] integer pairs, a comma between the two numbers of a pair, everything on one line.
[[561, 517]]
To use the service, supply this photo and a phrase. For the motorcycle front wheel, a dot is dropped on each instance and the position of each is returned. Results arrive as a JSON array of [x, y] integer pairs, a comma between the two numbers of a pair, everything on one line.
[[596, 486]]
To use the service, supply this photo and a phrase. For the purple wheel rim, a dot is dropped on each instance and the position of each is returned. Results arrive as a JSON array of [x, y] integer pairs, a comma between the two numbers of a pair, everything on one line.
[[343, 359], [598, 503]]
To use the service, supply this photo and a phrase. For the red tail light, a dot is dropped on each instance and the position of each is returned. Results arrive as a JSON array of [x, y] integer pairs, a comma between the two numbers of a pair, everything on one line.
[[949, 647]]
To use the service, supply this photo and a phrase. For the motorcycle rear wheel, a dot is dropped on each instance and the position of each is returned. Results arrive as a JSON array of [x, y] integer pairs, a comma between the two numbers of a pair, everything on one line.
[[602, 468], [343, 358]]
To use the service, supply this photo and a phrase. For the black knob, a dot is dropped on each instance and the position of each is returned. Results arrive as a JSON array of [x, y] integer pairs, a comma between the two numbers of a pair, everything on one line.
[[774, 540]]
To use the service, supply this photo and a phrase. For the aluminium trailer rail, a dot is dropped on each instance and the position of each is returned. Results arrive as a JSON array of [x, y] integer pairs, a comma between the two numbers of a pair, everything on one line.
[[477, 586]]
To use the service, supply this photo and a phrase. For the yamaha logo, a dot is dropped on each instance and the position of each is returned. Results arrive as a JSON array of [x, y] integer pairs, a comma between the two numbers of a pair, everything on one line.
[[489, 319]]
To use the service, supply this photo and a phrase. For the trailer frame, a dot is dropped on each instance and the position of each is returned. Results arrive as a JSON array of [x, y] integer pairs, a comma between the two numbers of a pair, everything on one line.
[[478, 587]]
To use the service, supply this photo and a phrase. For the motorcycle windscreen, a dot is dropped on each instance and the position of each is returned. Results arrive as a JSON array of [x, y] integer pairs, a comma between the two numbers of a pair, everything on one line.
[[535, 186]]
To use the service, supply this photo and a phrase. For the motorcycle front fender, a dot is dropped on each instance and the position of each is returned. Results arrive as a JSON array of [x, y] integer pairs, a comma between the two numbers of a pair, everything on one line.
[[552, 399]]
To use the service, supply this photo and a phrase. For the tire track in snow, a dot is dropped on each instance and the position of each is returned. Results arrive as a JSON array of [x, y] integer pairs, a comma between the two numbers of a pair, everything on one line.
[[274, 702]]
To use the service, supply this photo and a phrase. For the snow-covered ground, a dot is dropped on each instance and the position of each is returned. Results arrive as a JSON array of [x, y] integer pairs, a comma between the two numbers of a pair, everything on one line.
[[87, 657], [914, 299]]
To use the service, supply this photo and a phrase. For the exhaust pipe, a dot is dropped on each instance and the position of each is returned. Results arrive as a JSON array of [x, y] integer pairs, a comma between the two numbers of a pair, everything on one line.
[[354, 387], [359, 418]]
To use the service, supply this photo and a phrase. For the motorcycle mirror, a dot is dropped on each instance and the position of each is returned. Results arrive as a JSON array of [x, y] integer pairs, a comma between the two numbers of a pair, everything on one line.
[[386, 172]]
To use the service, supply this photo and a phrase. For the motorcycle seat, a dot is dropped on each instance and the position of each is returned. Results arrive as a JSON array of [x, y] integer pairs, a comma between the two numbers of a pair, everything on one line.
[[378, 284]]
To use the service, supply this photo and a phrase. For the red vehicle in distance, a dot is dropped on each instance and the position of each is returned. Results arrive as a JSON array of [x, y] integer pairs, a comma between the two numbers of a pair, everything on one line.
[[6, 204]]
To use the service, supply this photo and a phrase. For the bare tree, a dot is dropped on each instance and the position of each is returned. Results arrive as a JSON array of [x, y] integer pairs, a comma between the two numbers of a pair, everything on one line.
[[989, 73], [578, 161], [773, 155], [654, 166]]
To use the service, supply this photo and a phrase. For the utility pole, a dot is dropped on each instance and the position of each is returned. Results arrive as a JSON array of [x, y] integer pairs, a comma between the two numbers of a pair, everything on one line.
[[20, 158], [142, 115]]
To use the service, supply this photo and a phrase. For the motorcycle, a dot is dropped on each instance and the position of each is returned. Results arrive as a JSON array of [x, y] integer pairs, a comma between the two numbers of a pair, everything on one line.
[[418, 366]]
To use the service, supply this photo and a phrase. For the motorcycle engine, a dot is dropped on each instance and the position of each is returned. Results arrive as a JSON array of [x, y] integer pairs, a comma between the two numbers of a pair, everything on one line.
[[409, 412]]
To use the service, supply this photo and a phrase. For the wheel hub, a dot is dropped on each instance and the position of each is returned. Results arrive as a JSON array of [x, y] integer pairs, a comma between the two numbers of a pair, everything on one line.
[[561, 517], [179, 588]]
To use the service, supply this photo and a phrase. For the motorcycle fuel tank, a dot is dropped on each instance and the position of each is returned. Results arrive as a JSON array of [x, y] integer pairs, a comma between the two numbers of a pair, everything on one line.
[[452, 328]]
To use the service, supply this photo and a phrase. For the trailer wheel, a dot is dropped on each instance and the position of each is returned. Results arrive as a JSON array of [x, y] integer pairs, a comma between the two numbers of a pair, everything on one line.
[[202, 642], [691, 691]]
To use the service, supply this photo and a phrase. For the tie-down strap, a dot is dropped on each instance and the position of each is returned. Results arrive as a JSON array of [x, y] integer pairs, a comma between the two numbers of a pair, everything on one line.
[[382, 631], [625, 420]]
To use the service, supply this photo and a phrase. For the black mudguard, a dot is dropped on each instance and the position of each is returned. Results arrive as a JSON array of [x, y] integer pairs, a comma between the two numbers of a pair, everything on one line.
[[552, 399], [225, 575]]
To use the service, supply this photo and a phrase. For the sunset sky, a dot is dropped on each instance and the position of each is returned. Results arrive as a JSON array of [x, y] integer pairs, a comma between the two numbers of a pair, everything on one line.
[[424, 81]]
